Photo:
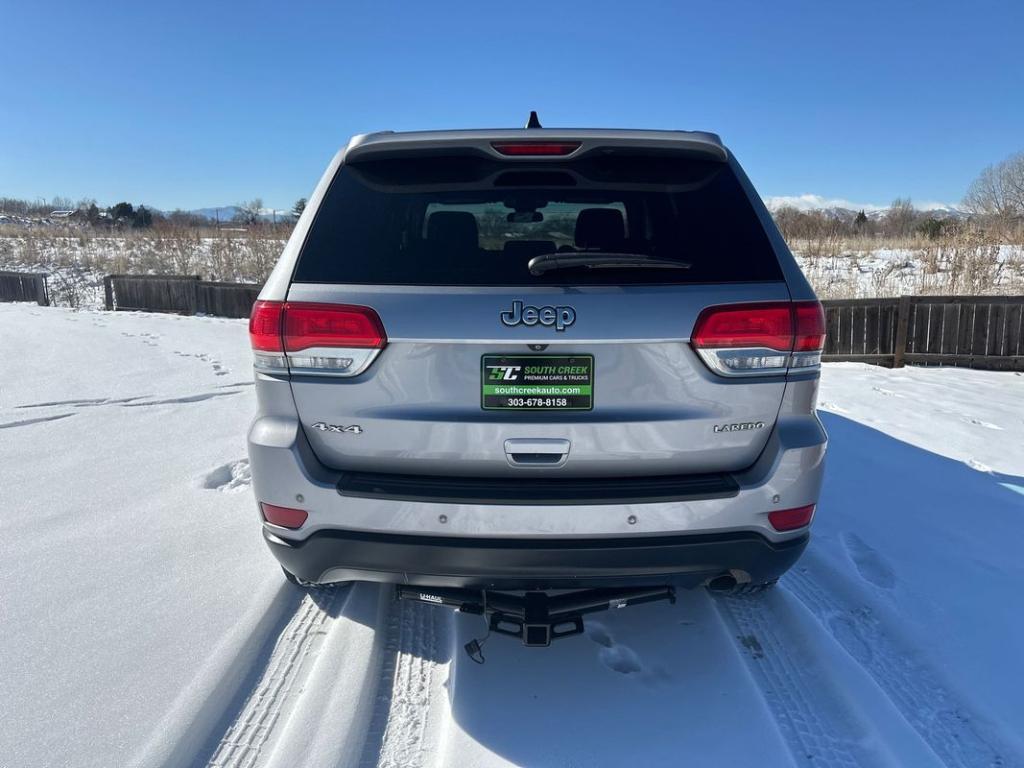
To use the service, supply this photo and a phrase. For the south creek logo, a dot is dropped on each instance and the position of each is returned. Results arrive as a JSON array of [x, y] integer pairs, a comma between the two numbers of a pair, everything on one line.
[[504, 372]]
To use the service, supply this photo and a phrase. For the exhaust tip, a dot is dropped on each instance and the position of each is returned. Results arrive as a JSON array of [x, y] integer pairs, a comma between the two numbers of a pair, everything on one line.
[[724, 583]]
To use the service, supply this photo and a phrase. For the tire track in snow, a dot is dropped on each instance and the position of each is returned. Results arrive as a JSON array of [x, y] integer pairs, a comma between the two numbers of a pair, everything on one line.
[[939, 718], [404, 726], [241, 745], [792, 690], [40, 420]]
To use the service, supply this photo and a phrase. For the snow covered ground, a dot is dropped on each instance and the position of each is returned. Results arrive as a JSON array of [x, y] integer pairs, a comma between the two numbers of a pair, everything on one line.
[[142, 622]]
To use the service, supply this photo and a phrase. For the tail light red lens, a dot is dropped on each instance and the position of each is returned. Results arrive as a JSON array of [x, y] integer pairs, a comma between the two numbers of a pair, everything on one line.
[[536, 148], [286, 517], [265, 326], [335, 339], [809, 319], [754, 325], [791, 519], [331, 325], [759, 339]]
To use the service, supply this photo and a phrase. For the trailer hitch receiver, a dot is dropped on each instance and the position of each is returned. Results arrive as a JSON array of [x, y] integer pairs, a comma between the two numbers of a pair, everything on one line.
[[535, 618]]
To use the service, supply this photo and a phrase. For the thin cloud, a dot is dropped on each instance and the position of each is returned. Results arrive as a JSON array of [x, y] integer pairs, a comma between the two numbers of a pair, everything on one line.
[[818, 202]]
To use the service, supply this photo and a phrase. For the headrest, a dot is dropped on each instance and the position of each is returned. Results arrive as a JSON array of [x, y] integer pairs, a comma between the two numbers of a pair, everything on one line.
[[600, 228], [453, 230]]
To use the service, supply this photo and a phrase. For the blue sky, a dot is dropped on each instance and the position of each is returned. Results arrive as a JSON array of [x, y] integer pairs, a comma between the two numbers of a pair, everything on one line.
[[198, 104]]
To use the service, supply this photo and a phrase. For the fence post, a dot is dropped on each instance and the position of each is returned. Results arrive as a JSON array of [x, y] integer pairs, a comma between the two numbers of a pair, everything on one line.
[[42, 296], [108, 292], [193, 295], [902, 323]]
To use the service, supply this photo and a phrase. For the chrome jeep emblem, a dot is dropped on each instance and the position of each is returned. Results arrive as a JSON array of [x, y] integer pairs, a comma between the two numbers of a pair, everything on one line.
[[560, 317], [354, 429]]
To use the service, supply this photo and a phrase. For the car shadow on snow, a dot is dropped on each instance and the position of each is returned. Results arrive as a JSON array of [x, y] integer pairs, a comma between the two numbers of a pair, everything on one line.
[[654, 683], [658, 683], [908, 509]]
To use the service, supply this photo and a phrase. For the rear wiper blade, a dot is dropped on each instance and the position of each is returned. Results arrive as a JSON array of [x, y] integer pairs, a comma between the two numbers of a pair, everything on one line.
[[547, 262]]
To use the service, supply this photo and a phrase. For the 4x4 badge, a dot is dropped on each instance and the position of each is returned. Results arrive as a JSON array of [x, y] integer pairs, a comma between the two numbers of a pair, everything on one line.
[[560, 317], [354, 429]]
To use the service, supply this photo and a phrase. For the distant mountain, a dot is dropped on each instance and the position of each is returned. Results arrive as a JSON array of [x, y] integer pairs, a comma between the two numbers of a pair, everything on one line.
[[228, 213], [844, 209]]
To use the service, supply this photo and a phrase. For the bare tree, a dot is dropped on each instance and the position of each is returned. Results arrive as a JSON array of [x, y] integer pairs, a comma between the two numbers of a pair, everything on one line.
[[60, 203], [250, 211], [900, 217], [998, 192]]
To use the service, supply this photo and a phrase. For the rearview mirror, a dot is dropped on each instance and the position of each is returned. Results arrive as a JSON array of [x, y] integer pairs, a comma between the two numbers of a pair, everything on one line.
[[525, 217]]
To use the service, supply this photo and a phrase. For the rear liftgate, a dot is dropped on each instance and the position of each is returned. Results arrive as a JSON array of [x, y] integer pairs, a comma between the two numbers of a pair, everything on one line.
[[536, 618]]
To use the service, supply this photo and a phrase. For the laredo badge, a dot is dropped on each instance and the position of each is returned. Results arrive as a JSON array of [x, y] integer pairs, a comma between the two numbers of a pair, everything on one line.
[[741, 426]]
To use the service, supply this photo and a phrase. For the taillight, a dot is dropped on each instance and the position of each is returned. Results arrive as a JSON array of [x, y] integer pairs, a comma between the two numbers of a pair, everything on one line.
[[265, 336], [286, 517], [760, 339], [310, 338], [535, 148], [791, 519], [809, 334]]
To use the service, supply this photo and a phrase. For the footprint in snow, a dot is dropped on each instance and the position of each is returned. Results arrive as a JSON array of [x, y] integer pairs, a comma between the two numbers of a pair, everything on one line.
[[886, 392], [826, 405], [232, 477], [217, 365], [871, 565], [845, 628], [619, 658], [975, 464], [753, 645], [985, 424]]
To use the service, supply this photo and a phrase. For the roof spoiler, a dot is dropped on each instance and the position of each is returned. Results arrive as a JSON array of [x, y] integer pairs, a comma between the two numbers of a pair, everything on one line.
[[481, 142]]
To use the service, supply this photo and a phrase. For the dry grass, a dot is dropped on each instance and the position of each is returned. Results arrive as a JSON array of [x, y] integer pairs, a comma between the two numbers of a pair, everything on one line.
[[839, 265], [78, 259], [230, 255], [967, 262]]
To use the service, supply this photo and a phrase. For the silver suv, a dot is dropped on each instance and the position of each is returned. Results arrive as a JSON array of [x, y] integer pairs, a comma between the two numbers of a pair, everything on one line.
[[536, 359]]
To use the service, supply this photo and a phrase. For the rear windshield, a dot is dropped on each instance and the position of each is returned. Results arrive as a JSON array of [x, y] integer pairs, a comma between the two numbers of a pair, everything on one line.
[[475, 221]]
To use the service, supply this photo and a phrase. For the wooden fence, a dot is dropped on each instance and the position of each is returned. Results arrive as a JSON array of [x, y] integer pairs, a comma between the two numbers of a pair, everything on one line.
[[970, 331], [173, 293], [24, 286]]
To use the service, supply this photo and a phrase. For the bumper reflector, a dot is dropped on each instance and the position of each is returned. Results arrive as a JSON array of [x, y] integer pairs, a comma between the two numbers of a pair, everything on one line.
[[791, 519], [285, 517]]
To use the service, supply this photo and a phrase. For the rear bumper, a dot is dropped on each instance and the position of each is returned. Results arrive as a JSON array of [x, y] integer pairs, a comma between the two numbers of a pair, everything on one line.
[[571, 533], [285, 472], [498, 563]]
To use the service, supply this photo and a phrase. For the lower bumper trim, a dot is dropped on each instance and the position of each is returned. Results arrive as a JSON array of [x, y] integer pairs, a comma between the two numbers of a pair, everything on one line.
[[684, 560], [537, 490]]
